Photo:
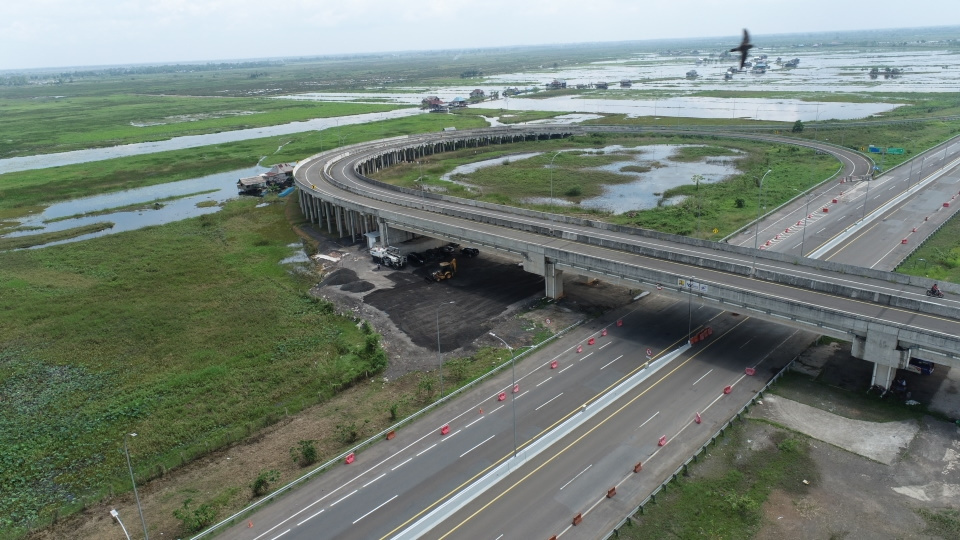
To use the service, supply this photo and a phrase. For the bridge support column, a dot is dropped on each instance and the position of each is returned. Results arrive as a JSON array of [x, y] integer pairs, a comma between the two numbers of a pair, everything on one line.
[[383, 228], [553, 279], [883, 375], [881, 346]]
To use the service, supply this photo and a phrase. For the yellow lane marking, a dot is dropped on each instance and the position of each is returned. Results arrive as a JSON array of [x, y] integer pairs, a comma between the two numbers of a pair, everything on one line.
[[529, 441], [591, 430]]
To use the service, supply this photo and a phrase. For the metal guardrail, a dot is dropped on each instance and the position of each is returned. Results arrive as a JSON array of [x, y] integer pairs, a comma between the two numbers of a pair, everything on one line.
[[584, 414], [713, 440], [379, 436]]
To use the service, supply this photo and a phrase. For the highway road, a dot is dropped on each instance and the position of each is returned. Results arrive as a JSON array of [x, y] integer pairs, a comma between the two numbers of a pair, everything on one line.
[[573, 477], [884, 212], [342, 171], [395, 481]]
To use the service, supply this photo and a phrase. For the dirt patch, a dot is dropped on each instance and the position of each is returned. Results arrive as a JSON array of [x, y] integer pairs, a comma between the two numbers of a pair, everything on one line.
[[881, 442]]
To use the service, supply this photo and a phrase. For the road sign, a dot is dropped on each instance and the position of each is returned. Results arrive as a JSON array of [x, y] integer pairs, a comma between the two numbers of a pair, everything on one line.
[[649, 352], [715, 230], [873, 149], [894, 150]]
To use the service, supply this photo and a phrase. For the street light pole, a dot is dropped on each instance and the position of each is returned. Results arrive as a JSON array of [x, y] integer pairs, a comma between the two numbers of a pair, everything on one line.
[[697, 179], [690, 309], [116, 516], [551, 174], [756, 234], [806, 214], [513, 400], [439, 357], [126, 451]]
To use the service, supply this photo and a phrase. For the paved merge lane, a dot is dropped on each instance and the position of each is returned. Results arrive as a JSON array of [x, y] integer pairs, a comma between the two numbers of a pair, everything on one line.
[[789, 230], [395, 481], [573, 476]]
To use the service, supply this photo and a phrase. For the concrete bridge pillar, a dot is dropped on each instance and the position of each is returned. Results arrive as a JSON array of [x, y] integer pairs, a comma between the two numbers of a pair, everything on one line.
[[383, 228], [553, 279], [882, 347]]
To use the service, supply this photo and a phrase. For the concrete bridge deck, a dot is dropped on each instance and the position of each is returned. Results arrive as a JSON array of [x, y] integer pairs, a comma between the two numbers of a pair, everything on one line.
[[885, 315]]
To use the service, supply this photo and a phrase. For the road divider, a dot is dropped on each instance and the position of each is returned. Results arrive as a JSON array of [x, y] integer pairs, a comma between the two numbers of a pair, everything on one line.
[[585, 413]]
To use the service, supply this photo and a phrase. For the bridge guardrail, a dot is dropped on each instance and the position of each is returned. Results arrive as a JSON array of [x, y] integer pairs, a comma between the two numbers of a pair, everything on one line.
[[890, 277]]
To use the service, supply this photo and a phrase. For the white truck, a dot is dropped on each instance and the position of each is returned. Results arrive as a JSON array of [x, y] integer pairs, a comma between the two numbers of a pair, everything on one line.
[[388, 256]]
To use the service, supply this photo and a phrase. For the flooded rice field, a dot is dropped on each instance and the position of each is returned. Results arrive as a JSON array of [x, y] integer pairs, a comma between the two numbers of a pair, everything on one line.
[[644, 192], [195, 197], [191, 141]]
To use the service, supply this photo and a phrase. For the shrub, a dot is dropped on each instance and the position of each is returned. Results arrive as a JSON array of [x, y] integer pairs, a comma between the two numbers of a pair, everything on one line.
[[197, 519], [305, 453], [261, 486], [393, 412]]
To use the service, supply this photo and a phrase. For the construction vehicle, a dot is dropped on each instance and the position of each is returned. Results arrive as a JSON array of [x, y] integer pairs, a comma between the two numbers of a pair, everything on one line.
[[446, 271], [388, 256]]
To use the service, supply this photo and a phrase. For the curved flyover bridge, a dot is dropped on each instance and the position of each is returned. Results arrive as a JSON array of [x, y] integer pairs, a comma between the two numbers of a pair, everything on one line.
[[887, 316]]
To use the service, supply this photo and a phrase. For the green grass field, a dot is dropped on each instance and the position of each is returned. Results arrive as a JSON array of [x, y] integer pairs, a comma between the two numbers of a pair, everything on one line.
[[724, 206], [32, 126], [726, 501], [190, 334]]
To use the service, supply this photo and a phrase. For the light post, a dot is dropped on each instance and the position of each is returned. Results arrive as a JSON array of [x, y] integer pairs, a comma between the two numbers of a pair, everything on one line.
[[513, 400], [551, 174], [126, 451], [806, 214], [696, 179], [867, 195], [690, 309], [756, 235], [116, 516], [439, 357]]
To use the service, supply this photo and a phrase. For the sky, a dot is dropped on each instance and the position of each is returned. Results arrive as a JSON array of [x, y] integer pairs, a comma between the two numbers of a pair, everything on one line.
[[69, 33]]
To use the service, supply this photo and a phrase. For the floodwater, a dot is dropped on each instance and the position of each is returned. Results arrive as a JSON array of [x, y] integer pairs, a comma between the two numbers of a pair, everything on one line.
[[641, 194], [192, 141], [468, 168], [223, 184], [645, 192], [820, 70]]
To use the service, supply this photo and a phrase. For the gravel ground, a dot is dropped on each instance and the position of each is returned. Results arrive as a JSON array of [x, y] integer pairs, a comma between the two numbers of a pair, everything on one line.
[[489, 293]]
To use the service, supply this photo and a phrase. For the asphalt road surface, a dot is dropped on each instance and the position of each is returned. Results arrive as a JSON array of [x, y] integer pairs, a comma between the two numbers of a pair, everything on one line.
[[924, 184], [541, 498], [395, 481]]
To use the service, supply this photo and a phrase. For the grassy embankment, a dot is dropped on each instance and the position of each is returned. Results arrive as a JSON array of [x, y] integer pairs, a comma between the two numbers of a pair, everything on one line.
[[725, 206], [29, 191], [105, 338], [938, 258], [32, 126], [723, 497], [185, 332]]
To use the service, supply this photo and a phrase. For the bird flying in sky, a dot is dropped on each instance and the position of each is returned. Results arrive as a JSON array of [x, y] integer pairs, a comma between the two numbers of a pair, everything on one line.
[[744, 47]]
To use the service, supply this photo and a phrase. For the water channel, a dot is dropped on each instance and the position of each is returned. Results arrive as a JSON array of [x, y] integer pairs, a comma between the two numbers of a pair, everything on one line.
[[207, 192], [643, 193]]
